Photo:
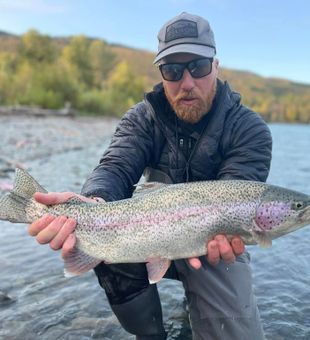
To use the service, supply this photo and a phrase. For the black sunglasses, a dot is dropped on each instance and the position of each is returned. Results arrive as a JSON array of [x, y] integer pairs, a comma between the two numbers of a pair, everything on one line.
[[198, 68]]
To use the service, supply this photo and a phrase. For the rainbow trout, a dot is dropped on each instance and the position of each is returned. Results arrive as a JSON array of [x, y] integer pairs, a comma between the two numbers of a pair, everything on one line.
[[164, 222]]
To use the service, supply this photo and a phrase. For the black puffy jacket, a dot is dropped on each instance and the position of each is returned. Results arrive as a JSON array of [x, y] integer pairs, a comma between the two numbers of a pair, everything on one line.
[[231, 142]]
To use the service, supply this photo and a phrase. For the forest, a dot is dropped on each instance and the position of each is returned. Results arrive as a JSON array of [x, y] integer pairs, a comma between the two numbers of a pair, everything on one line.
[[96, 77]]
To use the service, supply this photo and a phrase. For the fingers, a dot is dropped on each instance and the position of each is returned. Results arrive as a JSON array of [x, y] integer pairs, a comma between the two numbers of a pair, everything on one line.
[[237, 245], [38, 225], [225, 249], [57, 231], [53, 197], [52, 230], [62, 235], [195, 262], [221, 248], [68, 245], [213, 252]]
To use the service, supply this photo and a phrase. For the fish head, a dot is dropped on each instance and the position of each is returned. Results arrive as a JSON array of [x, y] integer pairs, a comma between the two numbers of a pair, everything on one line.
[[281, 211]]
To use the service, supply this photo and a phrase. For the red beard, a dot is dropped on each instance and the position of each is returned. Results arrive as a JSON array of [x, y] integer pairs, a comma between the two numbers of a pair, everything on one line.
[[194, 110]]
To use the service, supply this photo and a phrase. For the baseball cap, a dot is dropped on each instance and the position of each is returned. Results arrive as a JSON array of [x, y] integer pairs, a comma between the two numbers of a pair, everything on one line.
[[186, 33]]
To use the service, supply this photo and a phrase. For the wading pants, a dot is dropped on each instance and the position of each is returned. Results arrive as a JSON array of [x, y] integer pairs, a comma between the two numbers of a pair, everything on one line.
[[221, 302], [220, 298]]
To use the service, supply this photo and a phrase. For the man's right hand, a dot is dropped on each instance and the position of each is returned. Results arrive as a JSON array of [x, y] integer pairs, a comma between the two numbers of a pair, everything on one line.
[[57, 231]]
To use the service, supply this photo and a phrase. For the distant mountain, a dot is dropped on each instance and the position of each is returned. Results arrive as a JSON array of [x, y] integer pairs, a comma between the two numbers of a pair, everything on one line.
[[8, 42], [275, 99], [6, 34]]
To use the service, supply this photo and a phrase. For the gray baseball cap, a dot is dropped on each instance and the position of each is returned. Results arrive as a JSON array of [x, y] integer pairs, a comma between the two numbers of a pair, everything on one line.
[[186, 33]]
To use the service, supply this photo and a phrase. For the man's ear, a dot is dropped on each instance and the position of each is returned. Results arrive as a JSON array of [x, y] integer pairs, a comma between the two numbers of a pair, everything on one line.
[[216, 63], [215, 67]]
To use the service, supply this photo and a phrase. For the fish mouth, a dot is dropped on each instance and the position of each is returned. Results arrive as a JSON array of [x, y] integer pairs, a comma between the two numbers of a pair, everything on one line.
[[305, 215]]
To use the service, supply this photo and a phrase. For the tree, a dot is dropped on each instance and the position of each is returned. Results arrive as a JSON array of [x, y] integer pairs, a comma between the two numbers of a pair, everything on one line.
[[47, 86], [76, 58], [123, 89], [8, 64], [102, 61], [37, 48]]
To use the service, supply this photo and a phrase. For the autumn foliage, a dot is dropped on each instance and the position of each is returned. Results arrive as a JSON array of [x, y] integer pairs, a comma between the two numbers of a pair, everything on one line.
[[44, 72], [99, 78]]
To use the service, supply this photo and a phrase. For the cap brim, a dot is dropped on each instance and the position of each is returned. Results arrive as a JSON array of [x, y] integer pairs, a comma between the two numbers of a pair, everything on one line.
[[201, 50]]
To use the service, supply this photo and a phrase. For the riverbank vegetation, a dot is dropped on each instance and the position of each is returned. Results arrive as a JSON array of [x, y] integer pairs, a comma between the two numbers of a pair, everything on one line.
[[100, 78]]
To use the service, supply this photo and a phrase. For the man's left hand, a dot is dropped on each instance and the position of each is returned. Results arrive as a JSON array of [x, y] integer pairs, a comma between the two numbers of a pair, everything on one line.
[[220, 249]]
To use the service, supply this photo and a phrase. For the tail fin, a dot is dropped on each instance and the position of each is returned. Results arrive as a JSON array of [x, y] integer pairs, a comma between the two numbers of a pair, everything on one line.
[[13, 205]]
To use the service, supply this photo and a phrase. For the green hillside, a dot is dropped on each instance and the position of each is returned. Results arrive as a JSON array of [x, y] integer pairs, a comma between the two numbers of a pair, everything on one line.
[[102, 78]]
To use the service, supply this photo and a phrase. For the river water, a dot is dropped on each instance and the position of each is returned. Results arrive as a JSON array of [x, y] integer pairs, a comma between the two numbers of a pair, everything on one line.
[[37, 302]]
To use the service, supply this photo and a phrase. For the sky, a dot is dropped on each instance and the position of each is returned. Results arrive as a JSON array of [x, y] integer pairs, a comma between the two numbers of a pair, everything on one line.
[[268, 37]]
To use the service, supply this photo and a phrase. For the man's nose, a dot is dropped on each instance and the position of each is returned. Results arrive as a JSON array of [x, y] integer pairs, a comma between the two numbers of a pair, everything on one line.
[[187, 81]]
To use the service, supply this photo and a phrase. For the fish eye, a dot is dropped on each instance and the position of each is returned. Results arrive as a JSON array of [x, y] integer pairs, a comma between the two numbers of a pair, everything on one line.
[[297, 205]]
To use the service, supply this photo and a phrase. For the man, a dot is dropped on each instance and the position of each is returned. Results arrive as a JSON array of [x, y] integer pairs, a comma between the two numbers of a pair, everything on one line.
[[191, 127]]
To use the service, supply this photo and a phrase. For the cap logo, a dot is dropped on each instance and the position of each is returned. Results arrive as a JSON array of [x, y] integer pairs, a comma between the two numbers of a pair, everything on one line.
[[181, 29]]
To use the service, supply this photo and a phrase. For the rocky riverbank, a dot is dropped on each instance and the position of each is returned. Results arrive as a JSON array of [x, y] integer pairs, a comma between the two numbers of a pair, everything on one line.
[[27, 138]]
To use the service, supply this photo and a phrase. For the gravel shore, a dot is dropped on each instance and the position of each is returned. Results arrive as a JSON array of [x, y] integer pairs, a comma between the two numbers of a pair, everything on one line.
[[27, 138]]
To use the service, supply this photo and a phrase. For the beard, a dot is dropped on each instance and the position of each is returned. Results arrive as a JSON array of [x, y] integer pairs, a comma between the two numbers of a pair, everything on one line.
[[194, 112]]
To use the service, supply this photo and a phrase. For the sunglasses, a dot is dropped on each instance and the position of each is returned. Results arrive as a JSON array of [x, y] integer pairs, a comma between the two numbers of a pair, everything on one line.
[[197, 68]]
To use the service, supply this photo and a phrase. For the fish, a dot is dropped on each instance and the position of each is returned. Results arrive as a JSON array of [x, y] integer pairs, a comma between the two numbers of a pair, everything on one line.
[[161, 223]]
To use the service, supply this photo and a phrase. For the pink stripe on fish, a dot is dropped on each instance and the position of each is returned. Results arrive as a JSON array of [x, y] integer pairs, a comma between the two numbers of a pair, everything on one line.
[[159, 217]]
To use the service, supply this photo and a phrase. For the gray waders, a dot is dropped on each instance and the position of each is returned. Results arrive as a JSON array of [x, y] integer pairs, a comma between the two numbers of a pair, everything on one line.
[[220, 299]]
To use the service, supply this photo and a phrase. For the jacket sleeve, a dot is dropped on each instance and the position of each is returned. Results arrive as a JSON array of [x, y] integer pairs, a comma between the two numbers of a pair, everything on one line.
[[246, 147], [123, 163]]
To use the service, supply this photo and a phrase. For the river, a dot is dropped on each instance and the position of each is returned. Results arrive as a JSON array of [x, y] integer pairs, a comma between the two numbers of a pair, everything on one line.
[[37, 302]]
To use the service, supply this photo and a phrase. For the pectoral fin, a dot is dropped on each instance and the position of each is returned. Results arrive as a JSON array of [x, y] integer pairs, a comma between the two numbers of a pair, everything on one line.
[[261, 238], [157, 268]]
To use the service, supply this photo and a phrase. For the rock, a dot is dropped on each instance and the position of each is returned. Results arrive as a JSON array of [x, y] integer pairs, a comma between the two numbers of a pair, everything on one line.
[[5, 299]]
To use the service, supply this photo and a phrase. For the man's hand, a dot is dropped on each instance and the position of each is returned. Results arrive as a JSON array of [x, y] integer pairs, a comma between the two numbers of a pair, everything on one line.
[[220, 248], [57, 231]]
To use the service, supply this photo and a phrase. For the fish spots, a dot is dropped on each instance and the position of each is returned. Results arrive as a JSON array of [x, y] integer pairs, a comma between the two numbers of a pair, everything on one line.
[[271, 214]]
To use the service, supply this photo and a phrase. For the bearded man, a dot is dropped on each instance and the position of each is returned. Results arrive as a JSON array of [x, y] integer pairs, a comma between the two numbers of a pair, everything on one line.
[[191, 127]]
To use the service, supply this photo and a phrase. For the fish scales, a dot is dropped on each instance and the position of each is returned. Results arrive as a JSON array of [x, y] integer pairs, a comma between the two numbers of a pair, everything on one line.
[[165, 223], [161, 223]]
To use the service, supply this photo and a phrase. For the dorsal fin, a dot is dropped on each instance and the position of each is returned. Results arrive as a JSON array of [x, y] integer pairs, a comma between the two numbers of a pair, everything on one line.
[[147, 187]]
